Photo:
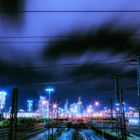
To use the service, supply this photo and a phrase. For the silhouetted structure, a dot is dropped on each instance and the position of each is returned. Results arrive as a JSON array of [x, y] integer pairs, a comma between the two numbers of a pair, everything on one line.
[[13, 115], [120, 114], [138, 86]]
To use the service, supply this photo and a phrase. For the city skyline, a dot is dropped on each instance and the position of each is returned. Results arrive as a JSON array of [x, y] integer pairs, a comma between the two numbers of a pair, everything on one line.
[[88, 63]]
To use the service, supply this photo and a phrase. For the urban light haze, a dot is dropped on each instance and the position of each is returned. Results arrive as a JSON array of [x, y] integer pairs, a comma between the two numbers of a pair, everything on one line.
[[27, 38], [61, 54]]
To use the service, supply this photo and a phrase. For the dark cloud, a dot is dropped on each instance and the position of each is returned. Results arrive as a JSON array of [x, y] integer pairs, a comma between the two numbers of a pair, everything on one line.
[[16, 74], [13, 6], [109, 38], [92, 80], [9, 9], [94, 77], [94, 72]]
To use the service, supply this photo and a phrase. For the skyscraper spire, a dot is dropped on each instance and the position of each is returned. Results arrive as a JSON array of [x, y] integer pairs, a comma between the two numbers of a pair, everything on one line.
[[66, 106], [79, 100]]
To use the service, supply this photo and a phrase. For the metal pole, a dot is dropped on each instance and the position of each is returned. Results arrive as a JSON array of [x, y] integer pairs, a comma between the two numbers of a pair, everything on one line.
[[45, 116], [13, 115], [118, 102], [0, 114], [49, 102], [138, 86], [49, 133], [123, 122], [102, 130], [117, 89], [111, 111], [52, 133]]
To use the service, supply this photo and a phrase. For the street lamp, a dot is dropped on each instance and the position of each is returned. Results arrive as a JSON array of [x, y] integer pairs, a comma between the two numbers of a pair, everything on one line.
[[49, 90]]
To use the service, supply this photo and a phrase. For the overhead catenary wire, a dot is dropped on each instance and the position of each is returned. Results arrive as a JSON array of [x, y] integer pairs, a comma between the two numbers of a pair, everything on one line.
[[56, 41], [64, 36], [70, 11]]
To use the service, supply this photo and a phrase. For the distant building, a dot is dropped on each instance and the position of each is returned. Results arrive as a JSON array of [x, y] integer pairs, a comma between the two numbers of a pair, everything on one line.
[[2, 103], [66, 108], [76, 109], [79, 107], [2, 99], [43, 108]]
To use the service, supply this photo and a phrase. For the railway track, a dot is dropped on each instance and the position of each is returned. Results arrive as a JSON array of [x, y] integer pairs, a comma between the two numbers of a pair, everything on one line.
[[89, 135], [23, 132]]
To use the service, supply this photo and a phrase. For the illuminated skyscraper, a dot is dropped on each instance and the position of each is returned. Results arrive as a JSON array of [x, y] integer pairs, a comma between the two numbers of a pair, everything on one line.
[[73, 109], [2, 102], [76, 109], [66, 108], [2, 99], [43, 107], [79, 107]]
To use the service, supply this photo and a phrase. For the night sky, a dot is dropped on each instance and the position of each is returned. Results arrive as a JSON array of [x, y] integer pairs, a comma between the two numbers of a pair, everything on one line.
[[77, 53]]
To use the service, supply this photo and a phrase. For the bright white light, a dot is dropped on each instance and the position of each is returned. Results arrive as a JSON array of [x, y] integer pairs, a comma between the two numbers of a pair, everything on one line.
[[29, 101], [44, 102], [117, 109], [90, 106], [54, 106], [89, 110], [96, 103], [21, 110], [3, 93]]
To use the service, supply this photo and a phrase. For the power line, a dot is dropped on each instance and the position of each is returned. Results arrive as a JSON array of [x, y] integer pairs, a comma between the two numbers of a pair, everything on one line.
[[60, 41], [52, 83], [70, 11], [63, 36]]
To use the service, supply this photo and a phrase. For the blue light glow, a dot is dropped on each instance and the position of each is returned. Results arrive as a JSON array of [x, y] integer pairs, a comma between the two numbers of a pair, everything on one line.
[[2, 99], [117, 104], [133, 121], [49, 89], [30, 105]]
